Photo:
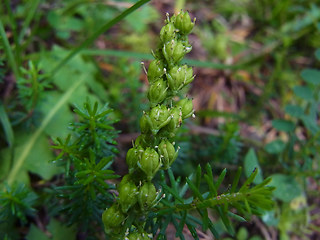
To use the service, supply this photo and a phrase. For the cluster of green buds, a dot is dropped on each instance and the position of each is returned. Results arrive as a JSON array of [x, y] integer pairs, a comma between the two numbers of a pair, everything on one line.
[[155, 149]]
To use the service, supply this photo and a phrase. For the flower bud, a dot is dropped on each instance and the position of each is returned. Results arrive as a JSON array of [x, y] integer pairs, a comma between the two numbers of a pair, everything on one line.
[[183, 22], [167, 153], [145, 124], [186, 107], [149, 163], [167, 32], [133, 156], [171, 128], [112, 219], [174, 51], [159, 117], [157, 92], [127, 195], [155, 70], [179, 76], [147, 195]]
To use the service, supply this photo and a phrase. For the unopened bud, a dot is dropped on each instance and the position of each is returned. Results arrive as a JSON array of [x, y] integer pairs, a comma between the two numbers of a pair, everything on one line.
[[183, 22]]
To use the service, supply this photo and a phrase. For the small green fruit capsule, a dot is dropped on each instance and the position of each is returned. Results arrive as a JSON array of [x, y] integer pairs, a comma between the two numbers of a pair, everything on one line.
[[112, 219], [155, 70], [149, 163], [167, 32], [157, 92], [133, 156], [159, 117], [167, 153], [186, 107], [179, 77], [174, 51], [183, 22], [124, 180], [127, 196], [147, 195], [145, 124]]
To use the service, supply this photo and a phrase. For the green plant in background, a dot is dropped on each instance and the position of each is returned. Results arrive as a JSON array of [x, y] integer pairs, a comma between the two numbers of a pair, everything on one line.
[[140, 209], [86, 157], [298, 154]]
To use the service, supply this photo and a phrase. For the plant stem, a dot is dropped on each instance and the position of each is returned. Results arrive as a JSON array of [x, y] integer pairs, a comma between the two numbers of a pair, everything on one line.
[[94, 36]]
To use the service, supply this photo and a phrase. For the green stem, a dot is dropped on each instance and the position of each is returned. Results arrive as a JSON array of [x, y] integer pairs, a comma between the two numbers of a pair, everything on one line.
[[94, 36], [8, 51]]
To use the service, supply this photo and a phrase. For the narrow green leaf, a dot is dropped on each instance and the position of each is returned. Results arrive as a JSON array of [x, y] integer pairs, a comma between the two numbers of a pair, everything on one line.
[[176, 225], [198, 176], [8, 51], [221, 178], [225, 220], [171, 191], [6, 126], [193, 232], [249, 180], [195, 190], [236, 217], [236, 180], [209, 179], [205, 218], [181, 224]]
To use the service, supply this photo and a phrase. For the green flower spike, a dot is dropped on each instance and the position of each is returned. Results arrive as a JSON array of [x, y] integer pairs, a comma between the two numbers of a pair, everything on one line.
[[154, 148]]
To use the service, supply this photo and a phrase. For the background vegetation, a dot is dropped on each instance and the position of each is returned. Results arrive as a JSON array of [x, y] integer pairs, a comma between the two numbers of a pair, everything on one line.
[[256, 96]]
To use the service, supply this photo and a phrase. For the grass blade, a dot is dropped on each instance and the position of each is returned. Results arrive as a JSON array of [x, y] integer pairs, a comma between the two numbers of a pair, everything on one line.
[[94, 36], [8, 51], [6, 125]]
